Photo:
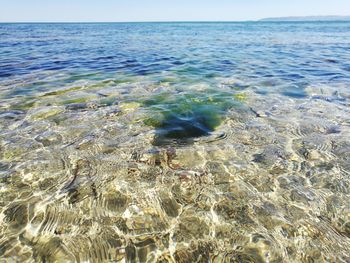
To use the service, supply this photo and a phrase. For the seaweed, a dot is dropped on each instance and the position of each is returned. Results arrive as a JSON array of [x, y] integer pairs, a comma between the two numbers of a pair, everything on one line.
[[180, 118]]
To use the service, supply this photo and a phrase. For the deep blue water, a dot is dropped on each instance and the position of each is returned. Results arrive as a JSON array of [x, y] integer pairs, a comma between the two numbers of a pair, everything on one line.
[[297, 53]]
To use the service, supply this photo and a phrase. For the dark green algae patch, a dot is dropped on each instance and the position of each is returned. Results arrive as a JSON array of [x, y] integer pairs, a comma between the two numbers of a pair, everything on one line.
[[180, 118]]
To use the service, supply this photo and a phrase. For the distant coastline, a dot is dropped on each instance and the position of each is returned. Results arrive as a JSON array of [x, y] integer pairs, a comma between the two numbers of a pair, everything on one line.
[[306, 18]]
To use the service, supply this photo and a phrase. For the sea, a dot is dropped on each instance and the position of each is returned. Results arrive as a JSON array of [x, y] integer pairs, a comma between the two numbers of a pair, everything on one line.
[[175, 142]]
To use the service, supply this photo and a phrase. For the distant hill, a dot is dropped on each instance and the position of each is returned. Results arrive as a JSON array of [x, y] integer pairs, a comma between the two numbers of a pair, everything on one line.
[[307, 18]]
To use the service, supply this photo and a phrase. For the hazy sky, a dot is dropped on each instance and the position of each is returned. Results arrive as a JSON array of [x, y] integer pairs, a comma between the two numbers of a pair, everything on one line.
[[164, 10]]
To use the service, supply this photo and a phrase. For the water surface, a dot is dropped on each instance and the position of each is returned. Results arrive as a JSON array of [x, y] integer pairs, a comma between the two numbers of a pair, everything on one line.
[[175, 142]]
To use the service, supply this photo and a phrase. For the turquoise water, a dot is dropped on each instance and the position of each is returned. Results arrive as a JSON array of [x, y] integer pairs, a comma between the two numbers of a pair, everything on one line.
[[175, 142]]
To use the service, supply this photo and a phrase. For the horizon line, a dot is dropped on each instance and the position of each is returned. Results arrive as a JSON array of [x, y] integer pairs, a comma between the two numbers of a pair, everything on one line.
[[175, 21], [319, 17], [264, 19], [155, 21]]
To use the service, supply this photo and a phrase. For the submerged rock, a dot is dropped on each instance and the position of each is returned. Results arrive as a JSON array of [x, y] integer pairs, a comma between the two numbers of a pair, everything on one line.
[[45, 113], [11, 114], [16, 215], [187, 116], [49, 138], [270, 155], [76, 106], [328, 93], [129, 106], [294, 91]]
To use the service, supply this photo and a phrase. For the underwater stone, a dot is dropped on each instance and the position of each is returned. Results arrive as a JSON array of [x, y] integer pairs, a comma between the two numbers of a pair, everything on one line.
[[113, 113], [11, 115], [169, 205], [294, 92], [232, 210], [44, 113], [116, 201], [182, 117], [303, 196], [333, 129], [219, 172], [49, 138], [290, 181], [313, 155], [13, 154], [51, 249], [17, 215], [129, 106], [191, 227], [76, 106], [196, 251], [270, 155], [346, 229]]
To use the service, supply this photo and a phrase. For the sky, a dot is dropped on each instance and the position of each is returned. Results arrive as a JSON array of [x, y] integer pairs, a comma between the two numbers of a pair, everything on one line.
[[163, 10]]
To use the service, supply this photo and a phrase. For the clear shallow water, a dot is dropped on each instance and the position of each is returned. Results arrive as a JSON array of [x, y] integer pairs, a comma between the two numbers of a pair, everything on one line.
[[175, 142]]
